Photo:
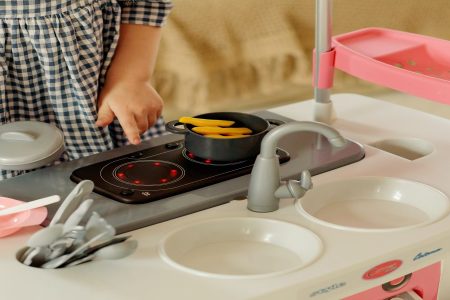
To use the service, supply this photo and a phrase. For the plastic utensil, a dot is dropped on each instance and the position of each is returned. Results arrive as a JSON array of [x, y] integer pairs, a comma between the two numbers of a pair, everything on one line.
[[29, 205], [113, 241], [107, 234], [75, 218], [68, 242], [72, 201], [10, 224], [91, 250], [45, 236], [93, 220], [96, 225], [27, 258], [115, 251], [37, 256]]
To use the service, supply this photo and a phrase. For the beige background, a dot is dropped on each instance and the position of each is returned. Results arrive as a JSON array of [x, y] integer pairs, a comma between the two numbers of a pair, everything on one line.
[[252, 54]]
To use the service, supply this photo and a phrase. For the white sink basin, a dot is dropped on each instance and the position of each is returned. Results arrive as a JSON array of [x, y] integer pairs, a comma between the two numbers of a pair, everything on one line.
[[374, 204], [240, 248]]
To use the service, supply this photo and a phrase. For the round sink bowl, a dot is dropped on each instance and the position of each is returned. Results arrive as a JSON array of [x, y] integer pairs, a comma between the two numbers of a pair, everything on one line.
[[373, 204], [240, 248]]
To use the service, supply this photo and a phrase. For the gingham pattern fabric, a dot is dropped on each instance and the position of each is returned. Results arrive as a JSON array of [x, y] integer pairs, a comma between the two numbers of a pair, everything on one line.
[[54, 55]]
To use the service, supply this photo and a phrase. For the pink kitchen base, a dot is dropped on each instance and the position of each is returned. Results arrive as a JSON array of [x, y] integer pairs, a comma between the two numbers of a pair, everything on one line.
[[423, 282]]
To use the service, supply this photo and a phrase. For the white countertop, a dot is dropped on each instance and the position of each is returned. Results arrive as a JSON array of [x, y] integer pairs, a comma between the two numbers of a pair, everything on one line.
[[144, 275]]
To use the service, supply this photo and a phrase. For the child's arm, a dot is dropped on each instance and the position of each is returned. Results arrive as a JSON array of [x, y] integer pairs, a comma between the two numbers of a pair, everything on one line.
[[127, 93]]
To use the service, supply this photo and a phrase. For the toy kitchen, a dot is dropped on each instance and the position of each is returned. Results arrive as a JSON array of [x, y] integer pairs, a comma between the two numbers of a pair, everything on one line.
[[356, 209]]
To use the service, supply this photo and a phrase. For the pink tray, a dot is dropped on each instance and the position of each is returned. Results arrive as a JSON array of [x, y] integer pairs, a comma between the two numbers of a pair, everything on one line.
[[411, 63], [12, 223]]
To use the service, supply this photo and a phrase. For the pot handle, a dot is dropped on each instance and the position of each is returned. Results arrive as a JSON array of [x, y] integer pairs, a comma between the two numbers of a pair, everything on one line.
[[274, 123], [171, 127]]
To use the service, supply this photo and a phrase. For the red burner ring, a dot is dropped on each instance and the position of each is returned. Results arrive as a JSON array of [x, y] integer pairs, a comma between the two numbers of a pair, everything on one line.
[[149, 173], [205, 161]]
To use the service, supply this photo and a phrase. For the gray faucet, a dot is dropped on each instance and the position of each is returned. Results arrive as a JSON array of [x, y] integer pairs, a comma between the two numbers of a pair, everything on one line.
[[265, 188]]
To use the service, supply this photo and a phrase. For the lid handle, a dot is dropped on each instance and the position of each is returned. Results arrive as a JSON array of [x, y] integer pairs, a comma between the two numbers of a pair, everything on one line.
[[17, 136]]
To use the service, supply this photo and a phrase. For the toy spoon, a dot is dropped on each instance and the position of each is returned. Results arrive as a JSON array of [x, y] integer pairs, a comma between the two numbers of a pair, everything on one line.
[[45, 236], [72, 201], [90, 251], [105, 235], [115, 251], [29, 205], [75, 218]]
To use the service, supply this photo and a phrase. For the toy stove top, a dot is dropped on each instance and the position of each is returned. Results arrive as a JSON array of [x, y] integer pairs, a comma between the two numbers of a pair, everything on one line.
[[160, 172], [118, 176]]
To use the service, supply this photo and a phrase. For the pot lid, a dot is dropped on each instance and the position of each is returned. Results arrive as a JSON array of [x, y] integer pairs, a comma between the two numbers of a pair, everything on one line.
[[27, 145]]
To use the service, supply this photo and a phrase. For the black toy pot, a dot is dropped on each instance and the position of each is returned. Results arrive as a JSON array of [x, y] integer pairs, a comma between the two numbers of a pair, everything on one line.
[[234, 149]]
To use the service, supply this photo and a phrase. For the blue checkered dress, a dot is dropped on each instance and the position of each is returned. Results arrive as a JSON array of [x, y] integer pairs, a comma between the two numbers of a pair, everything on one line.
[[53, 58]]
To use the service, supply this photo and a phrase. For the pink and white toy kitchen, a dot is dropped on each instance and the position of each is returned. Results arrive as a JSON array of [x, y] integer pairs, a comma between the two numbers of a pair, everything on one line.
[[353, 207]]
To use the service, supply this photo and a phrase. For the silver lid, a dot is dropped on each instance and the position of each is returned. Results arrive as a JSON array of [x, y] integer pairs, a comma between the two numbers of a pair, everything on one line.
[[27, 145]]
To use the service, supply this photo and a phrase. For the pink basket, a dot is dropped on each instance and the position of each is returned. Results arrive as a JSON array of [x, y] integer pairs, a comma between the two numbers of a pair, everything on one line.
[[411, 63]]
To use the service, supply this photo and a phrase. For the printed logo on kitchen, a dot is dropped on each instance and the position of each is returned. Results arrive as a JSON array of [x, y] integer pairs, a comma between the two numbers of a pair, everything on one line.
[[327, 289], [425, 254]]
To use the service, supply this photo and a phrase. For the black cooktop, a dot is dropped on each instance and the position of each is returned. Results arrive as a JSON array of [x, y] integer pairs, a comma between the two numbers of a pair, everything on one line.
[[160, 172]]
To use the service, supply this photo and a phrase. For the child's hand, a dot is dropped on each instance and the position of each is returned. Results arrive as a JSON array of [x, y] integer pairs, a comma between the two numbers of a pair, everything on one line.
[[136, 105]]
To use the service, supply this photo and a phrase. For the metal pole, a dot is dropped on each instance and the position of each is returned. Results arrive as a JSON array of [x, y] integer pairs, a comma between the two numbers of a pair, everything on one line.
[[322, 44]]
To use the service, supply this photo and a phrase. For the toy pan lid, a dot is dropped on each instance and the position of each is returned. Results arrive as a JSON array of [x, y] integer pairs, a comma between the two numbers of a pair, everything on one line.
[[26, 145]]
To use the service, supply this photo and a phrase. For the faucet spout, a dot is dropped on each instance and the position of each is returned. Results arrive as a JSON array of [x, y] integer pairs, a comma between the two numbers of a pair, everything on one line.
[[265, 176], [270, 141]]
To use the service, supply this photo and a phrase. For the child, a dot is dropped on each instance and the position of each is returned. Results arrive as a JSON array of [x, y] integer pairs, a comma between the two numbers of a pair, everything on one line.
[[83, 65]]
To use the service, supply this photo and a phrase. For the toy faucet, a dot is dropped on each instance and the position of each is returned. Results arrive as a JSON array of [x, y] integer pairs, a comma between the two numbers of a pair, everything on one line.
[[265, 189]]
